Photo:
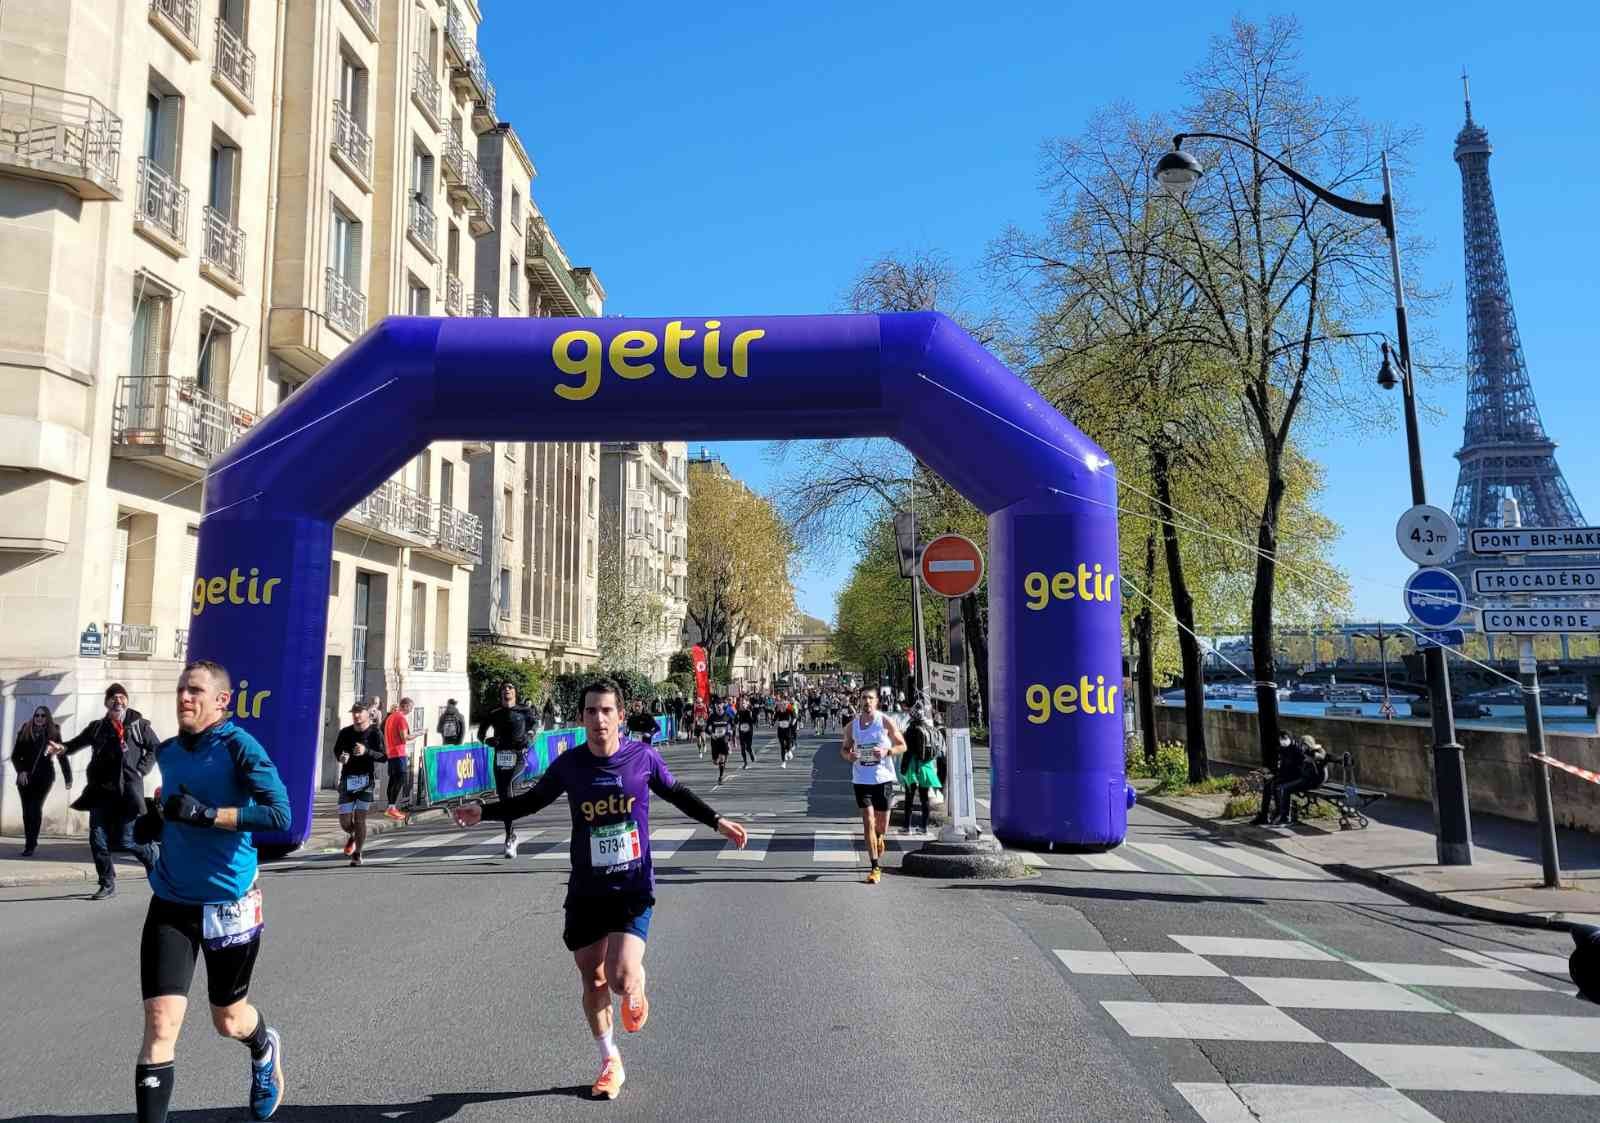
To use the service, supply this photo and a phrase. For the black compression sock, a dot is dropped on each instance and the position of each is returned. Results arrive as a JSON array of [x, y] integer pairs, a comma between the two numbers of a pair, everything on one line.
[[257, 1041], [152, 1091]]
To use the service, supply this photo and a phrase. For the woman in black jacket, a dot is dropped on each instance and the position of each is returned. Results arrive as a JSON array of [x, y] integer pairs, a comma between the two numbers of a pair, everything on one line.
[[36, 772]]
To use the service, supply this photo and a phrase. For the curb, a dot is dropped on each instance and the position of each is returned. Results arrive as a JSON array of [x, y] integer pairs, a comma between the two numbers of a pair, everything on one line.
[[1388, 883]]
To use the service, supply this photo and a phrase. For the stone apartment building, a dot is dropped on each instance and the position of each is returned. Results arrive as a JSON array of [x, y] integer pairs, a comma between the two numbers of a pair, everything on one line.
[[644, 503], [204, 207]]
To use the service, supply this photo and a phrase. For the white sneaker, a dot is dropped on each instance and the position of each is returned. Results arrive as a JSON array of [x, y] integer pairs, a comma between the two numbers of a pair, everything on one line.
[[786, 764], [511, 846]]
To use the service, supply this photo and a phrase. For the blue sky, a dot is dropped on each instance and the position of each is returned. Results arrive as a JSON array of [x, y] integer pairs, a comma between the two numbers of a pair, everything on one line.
[[720, 160]]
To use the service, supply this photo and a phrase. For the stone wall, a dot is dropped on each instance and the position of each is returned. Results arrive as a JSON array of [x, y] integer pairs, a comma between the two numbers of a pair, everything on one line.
[[1394, 757]]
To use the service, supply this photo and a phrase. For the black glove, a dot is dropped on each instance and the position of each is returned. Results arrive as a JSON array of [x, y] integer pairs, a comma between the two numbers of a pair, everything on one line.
[[147, 828], [185, 808]]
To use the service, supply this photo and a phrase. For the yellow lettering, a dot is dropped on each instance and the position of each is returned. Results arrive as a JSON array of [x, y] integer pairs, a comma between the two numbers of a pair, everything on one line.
[[1037, 586], [261, 697], [1110, 577], [741, 351], [588, 810], [199, 596], [1038, 698], [216, 590], [266, 590], [1066, 700], [676, 334], [587, 365], [1062, 586], [627, 347], [234, 578], [712, 365], [1085, 695]]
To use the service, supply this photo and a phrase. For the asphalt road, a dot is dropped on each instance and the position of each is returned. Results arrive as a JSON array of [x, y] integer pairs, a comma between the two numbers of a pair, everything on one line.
[[1176, 978]]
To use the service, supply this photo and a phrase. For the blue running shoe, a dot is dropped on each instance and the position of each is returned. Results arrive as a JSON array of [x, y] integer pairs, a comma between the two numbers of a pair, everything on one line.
[[266, 1078]]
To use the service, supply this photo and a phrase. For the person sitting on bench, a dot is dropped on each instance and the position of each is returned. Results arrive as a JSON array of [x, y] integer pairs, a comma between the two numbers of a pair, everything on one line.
[[1303, 767], [1269, 782]]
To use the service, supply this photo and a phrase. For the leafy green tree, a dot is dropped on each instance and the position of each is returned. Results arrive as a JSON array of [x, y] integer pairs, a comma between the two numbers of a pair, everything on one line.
[[488, 666]]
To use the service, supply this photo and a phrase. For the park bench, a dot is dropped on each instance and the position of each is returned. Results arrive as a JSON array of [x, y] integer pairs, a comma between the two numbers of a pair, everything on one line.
[[1344, 795]]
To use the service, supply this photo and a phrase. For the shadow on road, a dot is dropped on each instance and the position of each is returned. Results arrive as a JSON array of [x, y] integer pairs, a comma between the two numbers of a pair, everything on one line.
[[1034, 888], [439, 1107]]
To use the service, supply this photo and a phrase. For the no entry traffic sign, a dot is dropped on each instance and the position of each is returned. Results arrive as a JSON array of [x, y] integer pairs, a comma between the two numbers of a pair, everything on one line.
[[951, 566]]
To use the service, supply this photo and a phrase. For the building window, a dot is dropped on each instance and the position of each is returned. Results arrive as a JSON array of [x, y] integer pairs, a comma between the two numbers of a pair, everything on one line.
[[514, 284], [344, 251], [594, 493], [211, 371], [353, 88], [447, 483], [505, 593], [163, 120], [507, 513], [152, 325], [223, 189], [417, 299], [516, 210]]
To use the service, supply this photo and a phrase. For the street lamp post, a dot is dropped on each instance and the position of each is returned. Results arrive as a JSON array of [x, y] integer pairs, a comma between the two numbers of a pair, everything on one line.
[[1383, 655], [1178, 171]]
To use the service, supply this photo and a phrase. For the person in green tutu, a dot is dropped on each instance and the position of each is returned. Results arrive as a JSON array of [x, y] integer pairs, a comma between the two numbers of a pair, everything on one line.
[[918, 767]]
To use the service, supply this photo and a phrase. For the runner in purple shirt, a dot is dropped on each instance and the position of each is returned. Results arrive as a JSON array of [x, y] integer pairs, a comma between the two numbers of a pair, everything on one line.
[[612, 887]]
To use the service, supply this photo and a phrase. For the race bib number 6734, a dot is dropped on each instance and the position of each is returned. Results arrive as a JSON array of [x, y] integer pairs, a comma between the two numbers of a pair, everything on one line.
[[613, 845]]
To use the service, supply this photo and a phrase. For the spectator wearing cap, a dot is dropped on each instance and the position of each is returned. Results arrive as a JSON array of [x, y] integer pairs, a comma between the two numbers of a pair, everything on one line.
[[452, 727], [122, 752]]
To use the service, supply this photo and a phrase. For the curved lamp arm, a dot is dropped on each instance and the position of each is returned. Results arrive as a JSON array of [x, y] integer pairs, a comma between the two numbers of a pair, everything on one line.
[[1381, 212]]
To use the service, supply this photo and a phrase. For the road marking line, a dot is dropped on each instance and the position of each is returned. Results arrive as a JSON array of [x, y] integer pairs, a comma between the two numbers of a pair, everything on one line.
[[1336, 994], [757, 839], [1208, 1021], [1029, 858], [1432, 975], [1458, 1068], [1109, 861], [522, 836], [557, 850], [1252, 948], [833, 846], [425, 842], [1244, 856], [1172, 856], [1251, 1103], [664, 841]]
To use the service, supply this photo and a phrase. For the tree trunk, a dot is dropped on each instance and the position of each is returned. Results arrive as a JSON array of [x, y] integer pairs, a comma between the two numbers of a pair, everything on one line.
[[978, 648], [1261, 600], [1194, 691], [1145, 653]]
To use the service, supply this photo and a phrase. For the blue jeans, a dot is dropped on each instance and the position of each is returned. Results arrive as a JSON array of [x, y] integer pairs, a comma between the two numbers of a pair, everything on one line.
[[109, 830]]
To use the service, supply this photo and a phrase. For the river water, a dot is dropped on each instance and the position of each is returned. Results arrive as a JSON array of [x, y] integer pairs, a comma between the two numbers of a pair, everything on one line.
[[1557, 719]]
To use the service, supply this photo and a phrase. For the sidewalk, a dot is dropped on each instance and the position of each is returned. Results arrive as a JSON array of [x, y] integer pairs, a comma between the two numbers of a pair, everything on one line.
[[61, 860], [1505, 883]]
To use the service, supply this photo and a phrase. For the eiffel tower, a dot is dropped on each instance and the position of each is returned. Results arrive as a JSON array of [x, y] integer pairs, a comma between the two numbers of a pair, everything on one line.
[[1505, 451]]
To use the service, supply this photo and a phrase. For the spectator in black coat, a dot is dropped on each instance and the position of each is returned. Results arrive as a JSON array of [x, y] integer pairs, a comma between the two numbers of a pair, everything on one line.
[[123, 751], [35, 771]]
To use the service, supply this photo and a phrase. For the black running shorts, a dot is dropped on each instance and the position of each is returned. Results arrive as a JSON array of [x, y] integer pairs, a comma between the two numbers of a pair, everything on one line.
[[875, 794], [168, 948]]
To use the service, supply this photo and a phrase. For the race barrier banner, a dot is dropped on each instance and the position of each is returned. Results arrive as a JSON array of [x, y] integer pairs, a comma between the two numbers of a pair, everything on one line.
[[547, 745], [1584, 773], [457, 771]]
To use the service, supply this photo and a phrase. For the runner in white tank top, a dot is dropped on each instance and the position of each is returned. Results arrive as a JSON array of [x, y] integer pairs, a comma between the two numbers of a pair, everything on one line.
[[871, 742]]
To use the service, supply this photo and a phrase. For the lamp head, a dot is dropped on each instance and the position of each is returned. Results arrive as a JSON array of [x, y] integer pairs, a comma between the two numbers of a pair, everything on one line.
[[1386, 375], [1177, 172]]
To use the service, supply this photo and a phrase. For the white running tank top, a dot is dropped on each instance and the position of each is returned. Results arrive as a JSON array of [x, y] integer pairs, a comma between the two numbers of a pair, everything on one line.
[[867, 736]]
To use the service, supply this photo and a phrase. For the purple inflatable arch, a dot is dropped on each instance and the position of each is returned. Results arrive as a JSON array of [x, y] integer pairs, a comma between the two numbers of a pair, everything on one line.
[[272, 500]]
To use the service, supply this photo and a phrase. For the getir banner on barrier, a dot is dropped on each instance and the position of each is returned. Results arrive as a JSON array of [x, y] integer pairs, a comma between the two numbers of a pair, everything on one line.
[[457, 771], [547, 745]]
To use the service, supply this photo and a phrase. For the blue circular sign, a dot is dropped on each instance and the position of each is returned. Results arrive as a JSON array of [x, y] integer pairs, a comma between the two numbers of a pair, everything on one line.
[[1435, 597]]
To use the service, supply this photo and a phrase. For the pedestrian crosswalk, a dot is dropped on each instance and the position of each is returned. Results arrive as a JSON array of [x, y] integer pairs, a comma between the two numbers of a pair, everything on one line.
[[836, 846]]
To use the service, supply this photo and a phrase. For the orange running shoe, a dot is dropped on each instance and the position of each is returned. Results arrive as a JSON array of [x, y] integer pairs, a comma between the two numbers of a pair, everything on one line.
[[394, 813], [873, 875], [349, 846], [634, 1017], [608, 1085]]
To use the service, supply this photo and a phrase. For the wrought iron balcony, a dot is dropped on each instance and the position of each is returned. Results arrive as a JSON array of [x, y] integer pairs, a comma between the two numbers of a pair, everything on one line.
[[126, 640], [457, 47], [425, 89], [221, 247], [421, 225], [452, 160], [235, 64], [347, 306], [63, 137], [173, 421], [458, 533], [482, 305], [548, 263], [395, 513], [454, 295], [179, 21], [479, 198], [441, 660], [419, 659], [351, 142], [469, 77], [162, 208]]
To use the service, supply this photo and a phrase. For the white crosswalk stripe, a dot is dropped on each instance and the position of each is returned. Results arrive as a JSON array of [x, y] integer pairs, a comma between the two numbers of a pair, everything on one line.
[[1272, 867], [1114, 863], [1182, 859], [664, 841], [1029, 858], [757, 840], [833, 846]]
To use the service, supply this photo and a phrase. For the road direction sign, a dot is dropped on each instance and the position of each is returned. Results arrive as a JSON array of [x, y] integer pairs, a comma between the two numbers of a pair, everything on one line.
[[1535, 540], [1427, 535], [1435, 597], [1439, 637], [1533, 621], [1519, 579], [944, 681], [951, 566]]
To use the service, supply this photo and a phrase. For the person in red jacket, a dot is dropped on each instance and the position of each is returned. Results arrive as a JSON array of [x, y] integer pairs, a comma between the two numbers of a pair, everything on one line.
[[397, 748]]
